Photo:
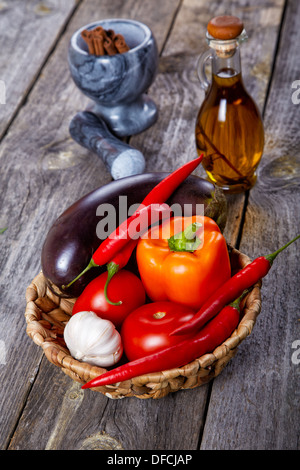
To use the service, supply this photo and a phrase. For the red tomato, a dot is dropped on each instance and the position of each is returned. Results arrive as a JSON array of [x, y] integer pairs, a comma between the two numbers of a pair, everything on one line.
[[147, 329], [124, 286]]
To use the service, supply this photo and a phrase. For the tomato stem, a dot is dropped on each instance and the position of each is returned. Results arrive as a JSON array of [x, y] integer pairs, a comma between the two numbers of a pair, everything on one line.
[[112, 269]]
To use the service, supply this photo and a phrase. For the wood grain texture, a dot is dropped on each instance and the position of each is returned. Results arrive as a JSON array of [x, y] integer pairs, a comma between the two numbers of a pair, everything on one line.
[[43, 171], [29, 31], [264, 376], [82, 421], [177, 88]]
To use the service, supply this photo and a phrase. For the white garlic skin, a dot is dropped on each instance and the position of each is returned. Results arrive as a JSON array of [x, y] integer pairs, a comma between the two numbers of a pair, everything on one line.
[[92, 339]]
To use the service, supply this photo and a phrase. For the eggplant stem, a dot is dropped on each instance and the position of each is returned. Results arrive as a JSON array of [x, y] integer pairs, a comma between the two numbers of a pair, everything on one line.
[[91, 265]]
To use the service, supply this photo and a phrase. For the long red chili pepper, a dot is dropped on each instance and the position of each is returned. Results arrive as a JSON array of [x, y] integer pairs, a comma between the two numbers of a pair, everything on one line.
[[111, 246], [159, 194], [163, 190], [206, 340], [145, 215], [230, 290]]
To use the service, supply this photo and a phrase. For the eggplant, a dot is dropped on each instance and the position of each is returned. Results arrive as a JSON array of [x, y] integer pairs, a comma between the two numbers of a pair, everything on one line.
[[73, 238]]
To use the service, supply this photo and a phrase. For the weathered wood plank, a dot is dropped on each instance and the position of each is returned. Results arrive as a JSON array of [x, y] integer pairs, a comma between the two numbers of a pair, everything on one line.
[[77, 420], [29, 31], [177, 89], [47, 173], [264, 377], [42, 172]]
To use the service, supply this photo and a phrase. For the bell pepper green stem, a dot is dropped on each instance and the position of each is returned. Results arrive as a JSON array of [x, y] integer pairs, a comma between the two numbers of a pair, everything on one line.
[[91, 265], [112, 269], [186, 240], [272, 256]]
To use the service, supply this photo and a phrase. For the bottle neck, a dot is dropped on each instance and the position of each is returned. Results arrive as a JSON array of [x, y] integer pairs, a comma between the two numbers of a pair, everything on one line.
[[226, 65]]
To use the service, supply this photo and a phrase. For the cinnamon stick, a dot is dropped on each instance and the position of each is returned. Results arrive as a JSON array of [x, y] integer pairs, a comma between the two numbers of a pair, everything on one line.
[[109, 46], [110, 33], [99, 36], [99, 31], [88, 37], [120, 44], [102, 42], [99, 45]]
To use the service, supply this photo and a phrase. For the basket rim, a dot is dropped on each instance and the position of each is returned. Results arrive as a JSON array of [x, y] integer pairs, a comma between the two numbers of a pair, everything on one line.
[[47, 332]]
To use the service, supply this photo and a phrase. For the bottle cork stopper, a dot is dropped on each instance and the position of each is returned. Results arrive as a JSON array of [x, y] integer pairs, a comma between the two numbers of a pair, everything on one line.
[[225, 27]]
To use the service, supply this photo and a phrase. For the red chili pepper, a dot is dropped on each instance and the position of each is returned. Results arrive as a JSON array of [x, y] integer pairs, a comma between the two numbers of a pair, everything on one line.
[[159, 194], [230, 290], [143, 217], [146, 215], [206, 340], [163, 190]]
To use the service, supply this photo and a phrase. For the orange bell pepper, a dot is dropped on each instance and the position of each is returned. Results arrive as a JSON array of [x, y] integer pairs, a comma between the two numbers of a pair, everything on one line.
[[184, 260]]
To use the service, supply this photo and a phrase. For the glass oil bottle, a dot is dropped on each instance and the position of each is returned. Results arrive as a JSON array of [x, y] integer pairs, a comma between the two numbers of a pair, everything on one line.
[[229, 128]]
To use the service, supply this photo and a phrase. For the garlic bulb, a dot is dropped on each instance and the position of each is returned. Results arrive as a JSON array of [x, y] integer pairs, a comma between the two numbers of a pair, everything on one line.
[[92, 339]]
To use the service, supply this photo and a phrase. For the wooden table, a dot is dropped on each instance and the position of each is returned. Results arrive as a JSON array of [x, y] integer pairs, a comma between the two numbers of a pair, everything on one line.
[[254, 403]]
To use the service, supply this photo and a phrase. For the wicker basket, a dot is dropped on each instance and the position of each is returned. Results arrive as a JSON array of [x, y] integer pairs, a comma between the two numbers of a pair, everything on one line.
[[46, 315]]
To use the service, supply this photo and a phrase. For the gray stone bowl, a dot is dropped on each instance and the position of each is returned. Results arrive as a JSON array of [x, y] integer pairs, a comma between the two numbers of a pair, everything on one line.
[[117, 84]]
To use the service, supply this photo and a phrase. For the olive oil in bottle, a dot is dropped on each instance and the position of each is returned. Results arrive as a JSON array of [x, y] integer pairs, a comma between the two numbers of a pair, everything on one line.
[[229, 128]]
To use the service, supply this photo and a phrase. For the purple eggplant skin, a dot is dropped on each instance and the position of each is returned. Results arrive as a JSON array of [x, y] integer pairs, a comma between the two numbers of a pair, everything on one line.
[[72, 239]]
